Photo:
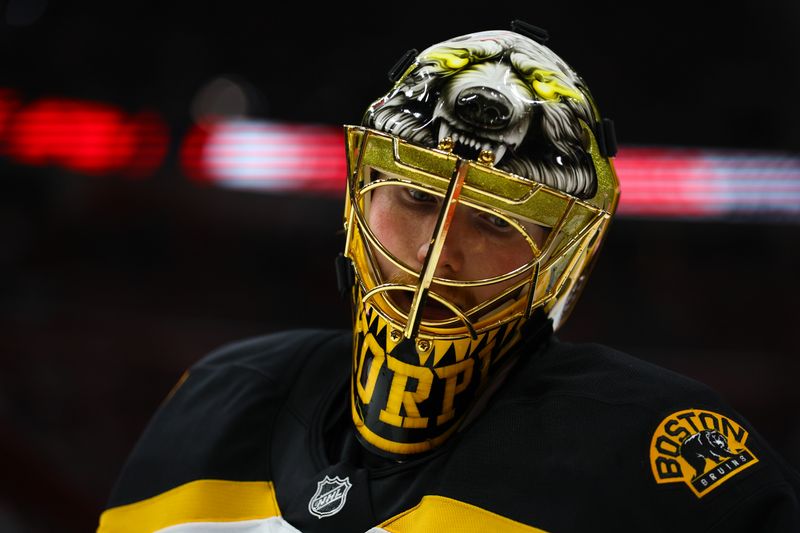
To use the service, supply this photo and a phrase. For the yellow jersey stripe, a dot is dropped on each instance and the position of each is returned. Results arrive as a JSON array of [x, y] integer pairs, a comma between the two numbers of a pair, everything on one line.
[[437, 513], [205, 500]]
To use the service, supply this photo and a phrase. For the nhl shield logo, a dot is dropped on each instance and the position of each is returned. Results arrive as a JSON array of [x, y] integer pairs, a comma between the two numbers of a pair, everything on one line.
[[330, 496]]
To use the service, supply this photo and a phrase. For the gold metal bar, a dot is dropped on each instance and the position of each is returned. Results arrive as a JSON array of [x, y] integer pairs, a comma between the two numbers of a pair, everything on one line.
[[443, 222]]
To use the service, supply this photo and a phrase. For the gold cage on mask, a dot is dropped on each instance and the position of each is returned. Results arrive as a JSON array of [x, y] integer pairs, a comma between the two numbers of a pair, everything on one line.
[[576, 229], [463, 350]]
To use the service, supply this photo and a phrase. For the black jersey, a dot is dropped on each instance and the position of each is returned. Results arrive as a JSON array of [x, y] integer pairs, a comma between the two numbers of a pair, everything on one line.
[[257, 437]]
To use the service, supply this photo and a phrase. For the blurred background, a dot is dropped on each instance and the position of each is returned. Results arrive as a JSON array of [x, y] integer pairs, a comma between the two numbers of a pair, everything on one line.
[[171, 179]]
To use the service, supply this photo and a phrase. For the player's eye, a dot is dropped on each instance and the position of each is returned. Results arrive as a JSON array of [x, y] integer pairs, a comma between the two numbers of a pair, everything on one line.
[[495, 221], [420, 196]]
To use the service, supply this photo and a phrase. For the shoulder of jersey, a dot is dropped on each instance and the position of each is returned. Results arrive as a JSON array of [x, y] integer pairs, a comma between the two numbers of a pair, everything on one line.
[[271, 354], [214, 426], [603, 374]]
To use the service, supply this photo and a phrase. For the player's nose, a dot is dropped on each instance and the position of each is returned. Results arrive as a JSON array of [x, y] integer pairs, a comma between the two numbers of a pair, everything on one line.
[[452, 257]]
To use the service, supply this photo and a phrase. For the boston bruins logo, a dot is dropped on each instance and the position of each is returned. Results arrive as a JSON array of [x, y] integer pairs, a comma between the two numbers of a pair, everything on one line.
[[700, 448]]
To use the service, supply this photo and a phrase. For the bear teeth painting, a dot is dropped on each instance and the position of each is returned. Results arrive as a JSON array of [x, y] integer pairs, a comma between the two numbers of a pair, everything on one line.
[[520, 105]]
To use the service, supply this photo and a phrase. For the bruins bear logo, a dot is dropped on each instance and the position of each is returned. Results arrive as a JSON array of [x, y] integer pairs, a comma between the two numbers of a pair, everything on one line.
[[708, 444], [702, 449]]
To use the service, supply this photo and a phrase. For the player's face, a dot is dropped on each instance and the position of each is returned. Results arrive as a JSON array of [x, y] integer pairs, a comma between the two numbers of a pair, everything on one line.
[[479, 245]]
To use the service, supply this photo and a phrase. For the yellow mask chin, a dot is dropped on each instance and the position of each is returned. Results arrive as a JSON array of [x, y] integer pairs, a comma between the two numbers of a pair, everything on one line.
[[409, 395]]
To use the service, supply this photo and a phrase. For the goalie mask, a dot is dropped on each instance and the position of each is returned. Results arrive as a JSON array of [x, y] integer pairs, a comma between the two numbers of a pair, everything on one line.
[[479, 190]]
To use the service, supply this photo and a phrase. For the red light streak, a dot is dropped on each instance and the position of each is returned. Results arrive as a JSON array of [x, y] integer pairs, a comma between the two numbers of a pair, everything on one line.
[[86, 137], [265, 155]]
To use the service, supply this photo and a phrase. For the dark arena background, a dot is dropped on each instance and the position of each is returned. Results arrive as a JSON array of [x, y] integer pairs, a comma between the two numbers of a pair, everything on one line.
[[171, 179]]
